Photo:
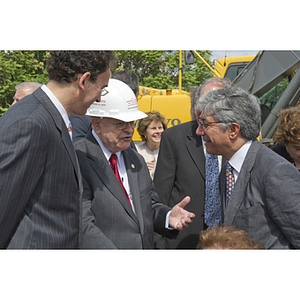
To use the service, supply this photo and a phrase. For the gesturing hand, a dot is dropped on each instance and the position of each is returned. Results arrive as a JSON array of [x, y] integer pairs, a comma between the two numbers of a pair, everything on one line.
[[179, 217]]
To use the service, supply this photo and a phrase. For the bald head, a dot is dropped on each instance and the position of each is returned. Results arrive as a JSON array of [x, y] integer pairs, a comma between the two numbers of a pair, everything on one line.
[[24, 89]]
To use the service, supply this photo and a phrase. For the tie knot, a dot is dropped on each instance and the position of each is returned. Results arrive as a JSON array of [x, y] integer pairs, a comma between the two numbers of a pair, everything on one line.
[[229, 167], [113, 159]]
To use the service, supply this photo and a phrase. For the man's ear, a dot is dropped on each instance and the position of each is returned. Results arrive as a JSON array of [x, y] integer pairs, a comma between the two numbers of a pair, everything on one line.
[[234, 130], [83, 79], [96, 124]]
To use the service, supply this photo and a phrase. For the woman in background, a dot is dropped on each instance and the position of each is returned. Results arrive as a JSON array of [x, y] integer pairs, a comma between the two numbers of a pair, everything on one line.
[[287, 135], [150, 130]]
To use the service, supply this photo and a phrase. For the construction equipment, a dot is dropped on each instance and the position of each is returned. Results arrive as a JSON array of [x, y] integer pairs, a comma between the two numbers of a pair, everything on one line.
[[230, 67], [175, 104], [264, 74]]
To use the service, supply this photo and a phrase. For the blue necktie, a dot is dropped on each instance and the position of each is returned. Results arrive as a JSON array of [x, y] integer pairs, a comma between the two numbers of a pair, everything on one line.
[[212, 206]]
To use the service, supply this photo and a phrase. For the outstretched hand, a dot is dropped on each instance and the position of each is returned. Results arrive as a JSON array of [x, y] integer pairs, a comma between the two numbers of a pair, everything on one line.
[[179, 217]]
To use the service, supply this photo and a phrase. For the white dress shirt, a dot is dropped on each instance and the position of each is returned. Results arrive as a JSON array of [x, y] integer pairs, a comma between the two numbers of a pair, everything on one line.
[[57, 104], [237, 160]]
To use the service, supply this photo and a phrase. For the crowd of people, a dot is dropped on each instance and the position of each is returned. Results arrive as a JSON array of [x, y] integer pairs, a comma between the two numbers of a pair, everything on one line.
[[71, 176]]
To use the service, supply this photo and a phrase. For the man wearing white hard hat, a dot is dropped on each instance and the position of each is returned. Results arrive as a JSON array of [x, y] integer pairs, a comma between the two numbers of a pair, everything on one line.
[[121, 209]]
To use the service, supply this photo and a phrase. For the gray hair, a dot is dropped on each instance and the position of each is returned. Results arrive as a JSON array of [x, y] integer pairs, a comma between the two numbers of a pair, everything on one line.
[[129, 78], [218, 81], [30, 85], [233, 105]]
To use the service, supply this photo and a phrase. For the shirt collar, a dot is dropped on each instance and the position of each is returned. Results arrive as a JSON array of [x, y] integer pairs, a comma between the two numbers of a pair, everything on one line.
[[106, 152], [57, 104], [237, 160]]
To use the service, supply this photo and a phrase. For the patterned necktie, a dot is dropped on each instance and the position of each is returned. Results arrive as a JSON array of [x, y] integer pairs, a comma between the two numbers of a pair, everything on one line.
[[212, 206], [229, 181], [113, 164], [70, 130]]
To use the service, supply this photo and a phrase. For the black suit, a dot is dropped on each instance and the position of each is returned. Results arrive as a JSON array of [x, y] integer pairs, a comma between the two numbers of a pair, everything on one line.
[[180, 172], [40, 181]]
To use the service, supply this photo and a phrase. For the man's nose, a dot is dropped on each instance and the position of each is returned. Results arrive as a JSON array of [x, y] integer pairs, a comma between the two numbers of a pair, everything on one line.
[[129, 127], [200, 130]]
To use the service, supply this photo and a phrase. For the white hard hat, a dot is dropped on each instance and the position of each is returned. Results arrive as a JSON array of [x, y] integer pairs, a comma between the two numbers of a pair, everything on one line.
[[120, 103]]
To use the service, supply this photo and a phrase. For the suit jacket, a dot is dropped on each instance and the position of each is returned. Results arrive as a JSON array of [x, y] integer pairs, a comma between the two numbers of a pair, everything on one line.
[[180, 172], [40, 180], [265, 201], [108, 219], [81, 124]]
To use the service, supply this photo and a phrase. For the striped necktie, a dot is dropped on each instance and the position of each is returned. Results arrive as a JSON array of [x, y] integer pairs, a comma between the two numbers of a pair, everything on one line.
[[230, 181]]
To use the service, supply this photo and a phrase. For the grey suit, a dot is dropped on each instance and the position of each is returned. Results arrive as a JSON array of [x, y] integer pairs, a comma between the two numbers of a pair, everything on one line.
[[108, 220], [265, 201], [40, 181]]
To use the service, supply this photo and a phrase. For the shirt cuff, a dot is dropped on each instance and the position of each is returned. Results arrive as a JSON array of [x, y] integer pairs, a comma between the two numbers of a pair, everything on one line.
[[167, 221]]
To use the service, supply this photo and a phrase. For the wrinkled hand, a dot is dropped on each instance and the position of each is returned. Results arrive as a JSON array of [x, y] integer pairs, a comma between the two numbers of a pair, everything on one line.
[[150, 164], [179, 217]]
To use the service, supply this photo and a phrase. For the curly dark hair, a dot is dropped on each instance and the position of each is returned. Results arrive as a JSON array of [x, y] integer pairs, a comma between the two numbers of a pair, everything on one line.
[[66, 65], [144, 123]]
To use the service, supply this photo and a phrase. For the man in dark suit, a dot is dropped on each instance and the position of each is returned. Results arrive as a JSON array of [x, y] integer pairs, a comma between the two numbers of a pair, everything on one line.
[[121, 214], [180, 171], [260, 189], [40, 186]]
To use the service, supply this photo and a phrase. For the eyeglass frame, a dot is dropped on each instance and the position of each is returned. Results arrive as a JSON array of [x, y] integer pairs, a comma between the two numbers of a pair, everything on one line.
[[103, 91], [206, 125], [120, 124]]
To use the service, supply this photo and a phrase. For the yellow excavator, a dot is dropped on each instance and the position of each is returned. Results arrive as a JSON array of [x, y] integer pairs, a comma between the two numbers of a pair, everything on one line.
[[175, 104], [270, 75]]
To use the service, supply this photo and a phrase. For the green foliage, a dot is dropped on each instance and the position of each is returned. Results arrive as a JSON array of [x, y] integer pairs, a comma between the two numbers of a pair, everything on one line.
[[271, 97], [160, 69], [156, 69], [19, 66]]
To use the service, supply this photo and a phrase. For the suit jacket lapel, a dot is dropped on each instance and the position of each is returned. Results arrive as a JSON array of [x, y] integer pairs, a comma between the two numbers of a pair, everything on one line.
[[101, 166], [60, 125], [130, 163], [240, 186], [195, 148]]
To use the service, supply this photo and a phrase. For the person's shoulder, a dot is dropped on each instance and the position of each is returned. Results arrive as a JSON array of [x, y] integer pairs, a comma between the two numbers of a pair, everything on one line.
[[140, 146], [22, 110], [268, 159], [183, 127], [134, 155], [81, 144]]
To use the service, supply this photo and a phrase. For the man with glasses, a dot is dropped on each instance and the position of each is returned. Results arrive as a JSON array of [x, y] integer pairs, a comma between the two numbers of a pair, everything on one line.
[[259, 189], [181, 170], [121, 209], [40, 186], [81, 124]]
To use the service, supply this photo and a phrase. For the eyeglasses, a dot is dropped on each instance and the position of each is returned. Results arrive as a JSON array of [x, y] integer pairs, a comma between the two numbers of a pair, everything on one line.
[[103, 90], [120, 124], [205, 125]]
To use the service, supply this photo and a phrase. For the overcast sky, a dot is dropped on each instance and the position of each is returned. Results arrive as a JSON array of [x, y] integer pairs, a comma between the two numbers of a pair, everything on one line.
[[216, 54]]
